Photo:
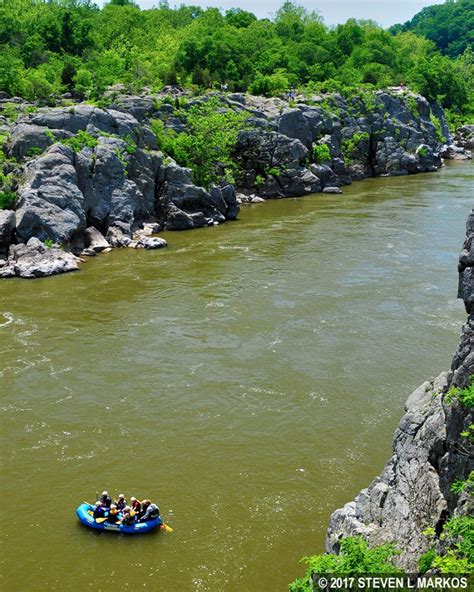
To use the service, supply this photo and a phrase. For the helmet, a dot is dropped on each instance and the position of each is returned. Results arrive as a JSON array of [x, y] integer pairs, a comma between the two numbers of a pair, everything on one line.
[[126, 509], [112, 506], [133, 499], [104, 493], [97, 503], [121, 496]]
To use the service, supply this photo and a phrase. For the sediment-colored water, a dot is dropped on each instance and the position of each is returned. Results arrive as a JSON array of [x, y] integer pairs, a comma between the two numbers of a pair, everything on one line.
[[249, 378]]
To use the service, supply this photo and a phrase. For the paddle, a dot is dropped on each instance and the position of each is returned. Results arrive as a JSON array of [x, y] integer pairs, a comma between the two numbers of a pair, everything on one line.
[[100, 520], [166, 527]]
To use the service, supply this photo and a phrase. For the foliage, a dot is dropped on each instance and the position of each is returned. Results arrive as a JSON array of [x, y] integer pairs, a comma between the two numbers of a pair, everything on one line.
[[449, 25], [460, 485], [464, 396], [422, 152], [49, 243], [350, 146], [458, 535], [437, 123], [34, 151], [355, 558], [469, 434], [321, 153], [81, 140], [209, 145], [47, 48]]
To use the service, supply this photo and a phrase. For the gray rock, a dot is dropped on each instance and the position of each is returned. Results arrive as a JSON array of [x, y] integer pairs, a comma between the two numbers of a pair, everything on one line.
[[36, 260], [94, 240], [118, 235], [50, 205], [464, 137], [292, 124], [139, 107], [155, 242], [332, 190], [28, 138], [7, 230]]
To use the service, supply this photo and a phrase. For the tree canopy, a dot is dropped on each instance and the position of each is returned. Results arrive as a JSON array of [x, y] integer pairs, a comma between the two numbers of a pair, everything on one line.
[[450, 26], [56, 46]]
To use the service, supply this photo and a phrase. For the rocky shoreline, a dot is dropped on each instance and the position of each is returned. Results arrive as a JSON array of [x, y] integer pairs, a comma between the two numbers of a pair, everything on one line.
[[87, 179], [413, 493]]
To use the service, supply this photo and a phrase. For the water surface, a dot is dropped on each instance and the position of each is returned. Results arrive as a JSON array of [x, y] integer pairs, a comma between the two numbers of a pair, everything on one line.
[[249, 378]]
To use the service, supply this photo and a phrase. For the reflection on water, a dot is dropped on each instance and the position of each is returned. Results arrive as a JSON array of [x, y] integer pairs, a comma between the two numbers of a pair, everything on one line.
[[249, 377]]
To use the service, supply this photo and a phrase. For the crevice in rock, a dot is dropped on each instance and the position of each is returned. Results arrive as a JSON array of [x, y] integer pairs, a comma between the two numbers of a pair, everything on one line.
[[441, 522]]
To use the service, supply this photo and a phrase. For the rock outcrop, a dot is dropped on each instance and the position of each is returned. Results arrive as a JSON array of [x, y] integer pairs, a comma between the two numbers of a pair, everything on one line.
[[413, 492], [35, 260], [82, 171]]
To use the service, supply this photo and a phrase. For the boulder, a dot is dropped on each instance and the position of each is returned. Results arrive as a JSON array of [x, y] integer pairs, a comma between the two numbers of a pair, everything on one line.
[[293, 124], [28, 140], [464, 136], [335, 190], [94, 240], [155, 242], [50, 204], [181, 205], [139, 107], [35, 260], [7, 230]]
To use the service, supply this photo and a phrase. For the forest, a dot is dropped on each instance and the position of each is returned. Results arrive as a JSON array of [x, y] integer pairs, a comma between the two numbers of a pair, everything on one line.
[[52, 47]]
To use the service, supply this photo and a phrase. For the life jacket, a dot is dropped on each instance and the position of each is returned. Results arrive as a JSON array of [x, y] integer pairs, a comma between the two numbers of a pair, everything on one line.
[[128, 519], [99, 512], [106, 500], [113, 516], [121, 504]]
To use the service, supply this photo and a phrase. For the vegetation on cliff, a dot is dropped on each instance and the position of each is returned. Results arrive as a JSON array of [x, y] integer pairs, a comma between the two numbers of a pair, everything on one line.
[[48, 48]]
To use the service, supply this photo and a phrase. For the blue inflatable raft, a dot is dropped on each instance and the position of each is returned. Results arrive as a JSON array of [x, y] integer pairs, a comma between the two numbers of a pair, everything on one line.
[[83, 513]]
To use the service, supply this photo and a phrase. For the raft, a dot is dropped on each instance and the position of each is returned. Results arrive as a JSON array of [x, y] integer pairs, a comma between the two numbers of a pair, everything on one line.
[[87, 519]]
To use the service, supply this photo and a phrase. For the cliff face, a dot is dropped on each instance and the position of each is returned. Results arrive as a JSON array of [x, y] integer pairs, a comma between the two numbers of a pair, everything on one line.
[[429, 454], [81, 170]]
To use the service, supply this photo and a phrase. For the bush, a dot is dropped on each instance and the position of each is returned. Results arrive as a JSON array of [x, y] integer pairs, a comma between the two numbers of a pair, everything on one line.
[[81, 140], [321, 153], [464, 396], [355, 558], [208, 146], [7, 199]]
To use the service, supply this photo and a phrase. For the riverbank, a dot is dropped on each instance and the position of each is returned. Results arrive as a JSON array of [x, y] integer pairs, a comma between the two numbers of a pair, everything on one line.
[[89, 178]]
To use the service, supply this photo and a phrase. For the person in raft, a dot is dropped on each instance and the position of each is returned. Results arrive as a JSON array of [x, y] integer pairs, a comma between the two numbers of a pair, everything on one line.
[[135, 505], [106, 500], [151, 511], [128, 517], [99, 510], [113, 516], [121, 502]]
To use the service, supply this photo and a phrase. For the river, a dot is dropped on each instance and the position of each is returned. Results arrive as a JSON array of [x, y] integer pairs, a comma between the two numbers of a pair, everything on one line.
[[249, 378]]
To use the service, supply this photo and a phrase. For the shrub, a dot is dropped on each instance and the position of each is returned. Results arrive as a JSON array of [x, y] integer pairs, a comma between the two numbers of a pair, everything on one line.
[[7, 199], [81, 140], [464, 396], [34, 151], [321, 153], [355, 558], [460, 485], [208, 146], [350, 145]]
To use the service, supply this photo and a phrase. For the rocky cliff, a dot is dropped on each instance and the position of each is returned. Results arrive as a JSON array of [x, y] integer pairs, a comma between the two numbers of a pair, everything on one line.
[[430, 452], [86, 179]]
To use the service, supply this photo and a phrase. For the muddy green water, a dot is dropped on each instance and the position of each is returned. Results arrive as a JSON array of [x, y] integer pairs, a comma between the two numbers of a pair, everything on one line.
[[249, 378]]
